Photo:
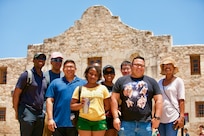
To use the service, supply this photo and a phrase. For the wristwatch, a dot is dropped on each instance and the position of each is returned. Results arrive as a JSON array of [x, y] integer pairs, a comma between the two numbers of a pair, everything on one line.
[[156, 117]]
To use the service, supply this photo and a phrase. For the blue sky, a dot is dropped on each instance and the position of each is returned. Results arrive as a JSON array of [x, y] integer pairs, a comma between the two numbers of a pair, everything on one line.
[[24, 22]]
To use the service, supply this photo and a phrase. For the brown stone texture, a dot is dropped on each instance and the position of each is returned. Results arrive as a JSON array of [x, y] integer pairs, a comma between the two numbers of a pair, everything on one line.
[[100, 34]]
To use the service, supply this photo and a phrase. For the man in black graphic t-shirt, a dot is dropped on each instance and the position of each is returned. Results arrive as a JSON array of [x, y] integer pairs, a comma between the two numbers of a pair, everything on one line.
[[136, 92]]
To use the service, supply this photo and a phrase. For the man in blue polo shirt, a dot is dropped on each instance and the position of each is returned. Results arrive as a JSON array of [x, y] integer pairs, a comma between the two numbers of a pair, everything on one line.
[[28, 99], [58, 96]]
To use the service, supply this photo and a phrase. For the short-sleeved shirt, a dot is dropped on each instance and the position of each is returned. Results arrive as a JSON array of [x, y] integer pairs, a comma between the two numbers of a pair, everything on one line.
[[96, 96], [33, 95], [136, 95], [61, 90], [171, 94], [110, 88], [50, 76]]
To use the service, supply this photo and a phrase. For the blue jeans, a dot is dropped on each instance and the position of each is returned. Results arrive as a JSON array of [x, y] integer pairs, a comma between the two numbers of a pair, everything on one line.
[[31, 123], [167, 129], [135, 128]]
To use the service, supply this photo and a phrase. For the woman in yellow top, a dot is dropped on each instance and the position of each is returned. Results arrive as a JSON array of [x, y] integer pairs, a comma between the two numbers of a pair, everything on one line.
[[93, 104]]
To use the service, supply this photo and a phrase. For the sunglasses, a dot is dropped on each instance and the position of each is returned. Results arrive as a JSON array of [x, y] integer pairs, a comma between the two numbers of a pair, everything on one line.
[[56, 59], [40, 58], [109, 72]]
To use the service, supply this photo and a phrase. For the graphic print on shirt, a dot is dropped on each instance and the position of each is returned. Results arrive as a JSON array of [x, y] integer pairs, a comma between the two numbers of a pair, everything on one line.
[[136, 93]]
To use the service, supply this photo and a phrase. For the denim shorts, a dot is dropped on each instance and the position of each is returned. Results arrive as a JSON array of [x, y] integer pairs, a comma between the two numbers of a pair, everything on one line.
[[135, 128], [84, 124]]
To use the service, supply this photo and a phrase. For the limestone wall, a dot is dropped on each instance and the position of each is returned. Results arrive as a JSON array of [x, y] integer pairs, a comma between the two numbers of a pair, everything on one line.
[[100, 34], [15, 66]]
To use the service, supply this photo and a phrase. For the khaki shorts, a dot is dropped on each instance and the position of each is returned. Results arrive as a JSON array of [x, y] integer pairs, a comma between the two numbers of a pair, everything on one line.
[[84, 124]]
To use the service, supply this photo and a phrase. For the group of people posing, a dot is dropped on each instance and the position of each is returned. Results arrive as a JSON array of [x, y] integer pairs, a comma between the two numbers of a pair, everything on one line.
[[135, 105]]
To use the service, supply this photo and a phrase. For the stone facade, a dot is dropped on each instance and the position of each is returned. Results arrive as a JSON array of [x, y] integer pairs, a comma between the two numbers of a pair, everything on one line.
[[100, 34]]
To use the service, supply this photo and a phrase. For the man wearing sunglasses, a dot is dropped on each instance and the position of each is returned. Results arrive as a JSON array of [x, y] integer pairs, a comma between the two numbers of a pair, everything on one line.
[[56, 63], [28, 99], [55, 72]]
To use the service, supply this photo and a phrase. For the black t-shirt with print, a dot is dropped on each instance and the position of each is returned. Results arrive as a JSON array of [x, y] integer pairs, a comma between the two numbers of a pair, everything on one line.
[[136, 95]]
